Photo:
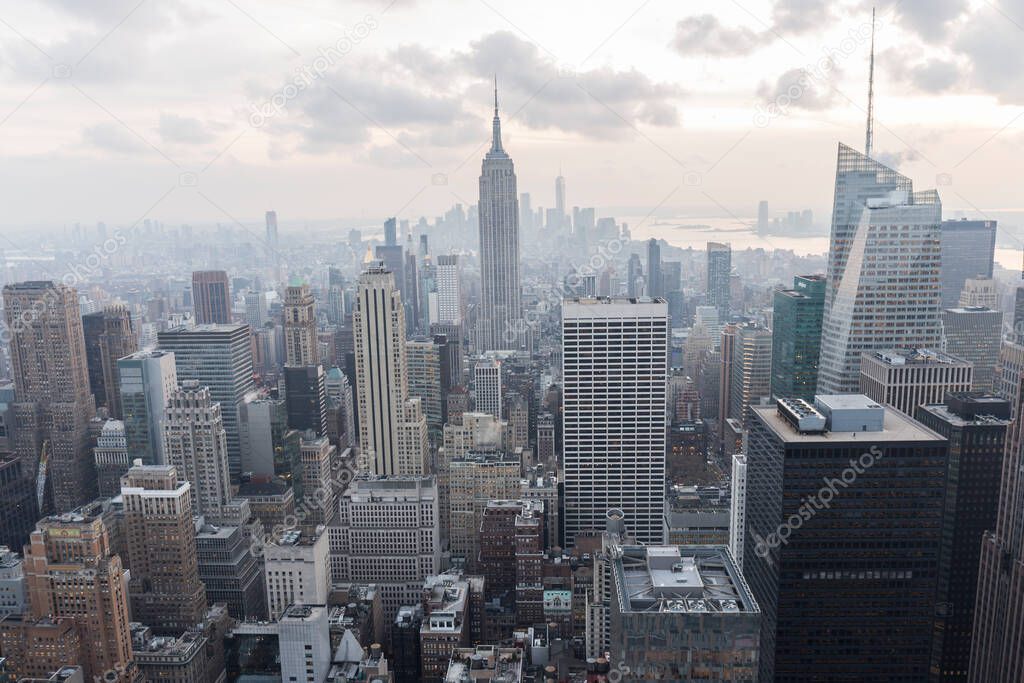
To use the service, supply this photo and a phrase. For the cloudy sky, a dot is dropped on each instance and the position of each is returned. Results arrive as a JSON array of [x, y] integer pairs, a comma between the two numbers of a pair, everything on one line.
[[214, 110]]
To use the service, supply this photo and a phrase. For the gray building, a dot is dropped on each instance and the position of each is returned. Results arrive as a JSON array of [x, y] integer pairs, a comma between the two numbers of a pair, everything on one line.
[[974, 334], [719, 291], [968, 249], [148, 378]]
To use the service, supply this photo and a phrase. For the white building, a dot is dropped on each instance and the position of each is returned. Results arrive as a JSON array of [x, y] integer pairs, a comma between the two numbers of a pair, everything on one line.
[[12, 583], [392, 427], [449, 290], [487, 386], [296, 570], [615, 374], [387, 534], [304, 639], [908, 378], [738, 507]]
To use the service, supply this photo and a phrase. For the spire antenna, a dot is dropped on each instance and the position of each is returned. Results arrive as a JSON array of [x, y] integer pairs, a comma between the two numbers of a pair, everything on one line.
[[495, 94], [870, 135], [496, 124]]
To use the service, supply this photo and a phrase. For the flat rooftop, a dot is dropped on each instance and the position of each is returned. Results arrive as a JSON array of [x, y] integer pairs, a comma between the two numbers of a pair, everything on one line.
[[685, 579], [895, 425]]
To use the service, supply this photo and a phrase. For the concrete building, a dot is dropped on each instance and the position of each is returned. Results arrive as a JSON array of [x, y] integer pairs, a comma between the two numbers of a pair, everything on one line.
[[487, 392], [296, 569], [109, 335], [301, 348], [170, 659], [445, 626], [908, 378], [473, 480], [738, 508], [614, 432], [305, 643], [111, 457], [229, 570], [13, 593], [147, 380], [211, 296]]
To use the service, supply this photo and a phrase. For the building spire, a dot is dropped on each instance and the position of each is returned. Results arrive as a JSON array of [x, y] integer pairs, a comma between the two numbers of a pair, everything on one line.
[[496, 125], [870, 134]]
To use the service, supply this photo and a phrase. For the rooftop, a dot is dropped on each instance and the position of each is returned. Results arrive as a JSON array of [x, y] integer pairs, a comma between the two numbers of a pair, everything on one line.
[[899, 357], [895, 426]]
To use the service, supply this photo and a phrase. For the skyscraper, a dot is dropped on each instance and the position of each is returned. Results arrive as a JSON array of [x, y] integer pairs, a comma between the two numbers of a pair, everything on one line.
[[218, 357], [271, 239], [300, 340], [165, 590], [719, 293], [877, 295], [109, 335], [449, 290], [392, 428], [908, 378], [525, 212], [211, 296], [148, 378], [825, 491], [53, 401], [391, 232], [487, 386], [559, 193], [968, 250], [655, 283], [500, 305], [796, 337], [974, 333], [751, 369], [615, 370], [195, 444], [634, 277], [306, 398]]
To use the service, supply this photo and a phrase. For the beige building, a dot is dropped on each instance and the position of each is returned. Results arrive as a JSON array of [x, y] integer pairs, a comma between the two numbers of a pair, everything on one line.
[[473, 480], [907, 378]]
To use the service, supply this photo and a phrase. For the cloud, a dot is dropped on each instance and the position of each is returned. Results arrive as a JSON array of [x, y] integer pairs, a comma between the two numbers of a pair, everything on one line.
[[113, 137], [800, 89], [800, 16], [183, 129], [705, 35], [930, 19]]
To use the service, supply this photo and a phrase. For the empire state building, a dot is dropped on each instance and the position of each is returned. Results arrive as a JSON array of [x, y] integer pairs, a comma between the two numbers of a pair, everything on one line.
[[501, 326]]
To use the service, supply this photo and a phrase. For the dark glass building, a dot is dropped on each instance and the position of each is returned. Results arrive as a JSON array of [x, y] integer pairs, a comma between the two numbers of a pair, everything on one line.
[[306, 398], [968, 248], [796, 337], [842, 540]]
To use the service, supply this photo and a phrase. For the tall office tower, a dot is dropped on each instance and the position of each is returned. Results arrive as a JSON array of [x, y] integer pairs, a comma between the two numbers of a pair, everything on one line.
[[997, 652], [300, 327], [304, 641], [655, 284], [908, 378], [974, 334], [147, 379], [546, 439], [165, 591], [525, 212], [218, 357], [487, 386], [559, 191], [391, 232], [763, 217], [319, 493], [751, 370], [634, 277], [615, 370], [392, 428], [109, 335], [872, 302], [796, 337], [449, 289], [73, 574], [340, 405], [719, 292], [230, 571], [297, 570], [472, 432], [738, 507], [195, 443], [111, 457], [500, 305], [968, 250], [211, 296], [256, 309], [53, 401], [18, 511], [827, 487], [727, 358], [473, 480], [423, 358], [410, 290], [306, 398], [272, 237], [387, 534], [980, 291], [975, 425], [1010, 371]]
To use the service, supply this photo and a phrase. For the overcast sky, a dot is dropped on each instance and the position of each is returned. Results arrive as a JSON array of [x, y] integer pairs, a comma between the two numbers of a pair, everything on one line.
[[188, 110]]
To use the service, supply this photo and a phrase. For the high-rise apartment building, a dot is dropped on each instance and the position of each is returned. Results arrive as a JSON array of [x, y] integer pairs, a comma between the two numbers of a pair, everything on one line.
[[615, 373], [211, 296], [195, 443], [300, 341], [165, 591], [147, 378], [796, 337], [53, 402], [908, 378], [968, 250], [974, 334], [975, 425], [501, 324], [218, 357], [392, 428], [73, 573], [828, 491], [876, 297], [719, 292], [387, 534]]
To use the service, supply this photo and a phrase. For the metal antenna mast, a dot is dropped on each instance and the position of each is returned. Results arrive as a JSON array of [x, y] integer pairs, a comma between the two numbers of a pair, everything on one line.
[[869, 137]]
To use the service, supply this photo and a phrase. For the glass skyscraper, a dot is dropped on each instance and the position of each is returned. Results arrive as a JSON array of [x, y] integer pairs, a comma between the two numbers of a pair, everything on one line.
[[796, 337]]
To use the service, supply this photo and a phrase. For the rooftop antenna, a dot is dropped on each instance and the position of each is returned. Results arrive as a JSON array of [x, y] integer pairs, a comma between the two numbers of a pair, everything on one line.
[[869, 137]]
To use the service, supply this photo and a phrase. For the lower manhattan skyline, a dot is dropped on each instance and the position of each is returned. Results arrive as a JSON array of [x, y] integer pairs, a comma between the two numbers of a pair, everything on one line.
[[493, 342]]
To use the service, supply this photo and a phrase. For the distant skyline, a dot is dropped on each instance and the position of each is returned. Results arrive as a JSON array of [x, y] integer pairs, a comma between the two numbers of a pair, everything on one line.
[[115, 110]]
